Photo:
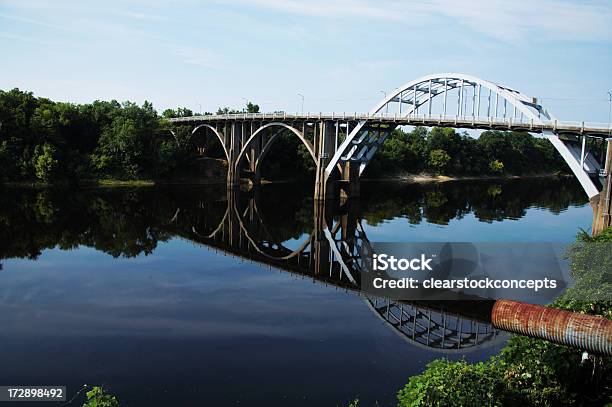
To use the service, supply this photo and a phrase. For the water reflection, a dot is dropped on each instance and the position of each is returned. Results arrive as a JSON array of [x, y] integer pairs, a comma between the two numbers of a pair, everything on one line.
[[280, 227]]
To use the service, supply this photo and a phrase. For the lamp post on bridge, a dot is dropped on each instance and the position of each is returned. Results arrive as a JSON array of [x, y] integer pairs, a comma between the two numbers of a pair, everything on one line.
[[302, 96], [387, 105], [610, 109]]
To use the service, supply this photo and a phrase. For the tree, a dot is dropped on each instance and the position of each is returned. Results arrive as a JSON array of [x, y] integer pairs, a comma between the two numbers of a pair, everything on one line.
[[251, 108], [180, 112], [438, 160], [496, 166], [45, 163]]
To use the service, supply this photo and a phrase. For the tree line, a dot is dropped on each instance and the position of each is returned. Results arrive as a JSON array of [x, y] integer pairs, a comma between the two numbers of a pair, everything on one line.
[[449, 152], [46, 141]]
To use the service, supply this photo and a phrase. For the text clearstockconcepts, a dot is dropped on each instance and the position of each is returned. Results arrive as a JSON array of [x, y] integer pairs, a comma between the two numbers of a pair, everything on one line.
[[465, 283], [384, 262]]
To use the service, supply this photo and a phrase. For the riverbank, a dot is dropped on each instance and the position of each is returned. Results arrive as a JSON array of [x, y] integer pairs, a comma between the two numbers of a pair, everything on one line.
[[424, 178], [111, 183], [404, 178]]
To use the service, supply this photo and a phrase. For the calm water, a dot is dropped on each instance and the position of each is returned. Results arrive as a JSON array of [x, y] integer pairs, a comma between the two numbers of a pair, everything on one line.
[[189, 296]]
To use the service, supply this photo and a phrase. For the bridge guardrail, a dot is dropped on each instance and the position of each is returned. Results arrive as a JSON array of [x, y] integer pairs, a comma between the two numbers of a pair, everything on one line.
[[470, 121]]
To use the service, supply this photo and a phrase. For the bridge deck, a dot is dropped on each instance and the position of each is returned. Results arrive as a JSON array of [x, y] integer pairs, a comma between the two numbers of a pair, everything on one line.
[[469, 122]]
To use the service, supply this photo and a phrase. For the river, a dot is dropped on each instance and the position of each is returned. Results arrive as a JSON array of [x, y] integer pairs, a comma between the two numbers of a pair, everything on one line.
[[158, 295]]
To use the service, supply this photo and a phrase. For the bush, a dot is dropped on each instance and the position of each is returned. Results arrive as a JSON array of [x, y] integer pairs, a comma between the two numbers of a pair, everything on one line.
[[446, 383], [45, 163], [438, 160], [98, 397], [496, 166]]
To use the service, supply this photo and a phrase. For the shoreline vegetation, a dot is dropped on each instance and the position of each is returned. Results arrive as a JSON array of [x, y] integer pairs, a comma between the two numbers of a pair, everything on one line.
[[423, 178]]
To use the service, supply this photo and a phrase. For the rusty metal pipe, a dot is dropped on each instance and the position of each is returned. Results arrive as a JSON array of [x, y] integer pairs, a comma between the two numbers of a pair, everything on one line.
[[591, 333]]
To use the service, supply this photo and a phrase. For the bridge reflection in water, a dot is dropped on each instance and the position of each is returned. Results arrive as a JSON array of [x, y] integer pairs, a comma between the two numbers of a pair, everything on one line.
[[333, 254]]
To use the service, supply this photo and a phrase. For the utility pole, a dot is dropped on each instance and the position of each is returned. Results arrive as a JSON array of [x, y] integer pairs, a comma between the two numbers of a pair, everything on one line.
[[302, 96], [387, 105], [610, 109]]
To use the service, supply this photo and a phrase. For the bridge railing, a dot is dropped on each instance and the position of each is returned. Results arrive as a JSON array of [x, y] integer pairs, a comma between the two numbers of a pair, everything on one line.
[[425, 119]]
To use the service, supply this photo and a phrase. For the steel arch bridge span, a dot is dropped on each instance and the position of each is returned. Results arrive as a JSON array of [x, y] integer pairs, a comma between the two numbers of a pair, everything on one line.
[[467, 93]]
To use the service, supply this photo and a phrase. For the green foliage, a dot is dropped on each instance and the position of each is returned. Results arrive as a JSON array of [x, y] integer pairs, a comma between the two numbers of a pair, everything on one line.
[[252, 108], [540, 373], [496, 166], [528, 372], [45, 163], [98, 397], [446, 383], [438, 160], [180, 112], [48, 142], [412, 153]]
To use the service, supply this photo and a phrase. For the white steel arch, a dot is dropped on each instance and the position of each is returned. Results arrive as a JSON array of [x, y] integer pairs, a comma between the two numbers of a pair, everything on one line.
[[362, 143]]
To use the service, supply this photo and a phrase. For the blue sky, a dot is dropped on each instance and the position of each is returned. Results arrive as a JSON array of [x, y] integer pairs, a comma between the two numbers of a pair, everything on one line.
[[339, 53]]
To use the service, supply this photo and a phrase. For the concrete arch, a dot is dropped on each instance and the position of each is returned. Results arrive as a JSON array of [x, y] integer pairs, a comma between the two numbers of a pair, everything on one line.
[[260, 130], [266, 149], [216, 133]]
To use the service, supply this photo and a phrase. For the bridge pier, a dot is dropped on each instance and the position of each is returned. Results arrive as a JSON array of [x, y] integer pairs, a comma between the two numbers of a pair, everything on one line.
[[325, 146], [602, 203], [350, 185], [254, 164], [232, 136]]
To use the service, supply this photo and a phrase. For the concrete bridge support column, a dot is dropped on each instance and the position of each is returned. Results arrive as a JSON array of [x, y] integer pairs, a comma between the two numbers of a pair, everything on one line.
[[233, 137], [324, 144], [602, 203], [254, 153], [350, 180]]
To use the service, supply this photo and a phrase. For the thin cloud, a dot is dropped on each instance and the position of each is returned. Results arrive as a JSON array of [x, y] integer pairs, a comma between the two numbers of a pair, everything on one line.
[[516, 21], [141, 16], [196, 56], [35, 22]]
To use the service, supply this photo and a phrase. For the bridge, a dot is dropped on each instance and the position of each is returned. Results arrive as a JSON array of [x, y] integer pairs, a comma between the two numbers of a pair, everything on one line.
[[341, 145]]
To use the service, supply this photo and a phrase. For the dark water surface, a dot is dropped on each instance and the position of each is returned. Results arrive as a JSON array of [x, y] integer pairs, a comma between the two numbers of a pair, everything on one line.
[[189, 296]]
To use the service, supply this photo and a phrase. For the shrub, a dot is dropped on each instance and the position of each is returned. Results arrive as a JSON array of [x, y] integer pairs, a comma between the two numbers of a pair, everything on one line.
[[446, 383], [438, 160], [98, 397], [45, 163], [496, 166]]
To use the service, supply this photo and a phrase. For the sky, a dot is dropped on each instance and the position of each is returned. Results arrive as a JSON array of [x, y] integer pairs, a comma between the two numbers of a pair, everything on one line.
[[342, 55]]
